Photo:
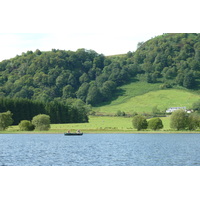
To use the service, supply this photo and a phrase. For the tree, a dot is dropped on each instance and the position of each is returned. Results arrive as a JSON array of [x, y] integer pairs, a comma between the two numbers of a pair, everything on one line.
[[5, 120], [189, 81], [41, 122], [179, 120], [93, 95], [139, 122], [68, 91], [82, 91], [196, 106], [26, 125], [155, 124], [108, 89], [193, 121]]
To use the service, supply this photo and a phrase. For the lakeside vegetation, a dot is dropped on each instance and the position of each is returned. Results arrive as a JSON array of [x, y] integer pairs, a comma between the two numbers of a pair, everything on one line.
[[102, 124]]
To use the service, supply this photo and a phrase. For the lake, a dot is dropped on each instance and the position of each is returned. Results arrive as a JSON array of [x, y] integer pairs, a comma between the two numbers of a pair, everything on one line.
[[100, 150]]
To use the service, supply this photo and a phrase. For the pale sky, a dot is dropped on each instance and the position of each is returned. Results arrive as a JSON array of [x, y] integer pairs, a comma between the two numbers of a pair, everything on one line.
[[109, 44], [105, 26]]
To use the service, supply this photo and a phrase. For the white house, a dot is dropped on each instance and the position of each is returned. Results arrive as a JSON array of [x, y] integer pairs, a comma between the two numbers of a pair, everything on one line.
[[170, 110]]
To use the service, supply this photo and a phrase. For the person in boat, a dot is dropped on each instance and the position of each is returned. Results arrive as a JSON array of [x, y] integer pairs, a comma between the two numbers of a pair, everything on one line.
[[78, 131], [68, 131]]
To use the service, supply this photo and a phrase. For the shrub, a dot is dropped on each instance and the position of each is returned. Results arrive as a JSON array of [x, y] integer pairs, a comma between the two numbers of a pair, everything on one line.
[[26, 125], [41, 122], [120, 113], [139, 122], [155, 124]]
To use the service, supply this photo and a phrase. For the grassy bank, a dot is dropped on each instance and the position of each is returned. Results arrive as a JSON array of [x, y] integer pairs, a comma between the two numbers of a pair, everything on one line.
[[141, 97], [102, 125]]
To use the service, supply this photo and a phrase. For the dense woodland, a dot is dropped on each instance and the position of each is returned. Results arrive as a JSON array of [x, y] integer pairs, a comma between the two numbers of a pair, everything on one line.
[[58, 75], [25, 109]]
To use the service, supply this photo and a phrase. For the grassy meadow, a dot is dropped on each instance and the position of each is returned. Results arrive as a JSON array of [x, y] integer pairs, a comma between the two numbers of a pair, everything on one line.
[[141, 97]]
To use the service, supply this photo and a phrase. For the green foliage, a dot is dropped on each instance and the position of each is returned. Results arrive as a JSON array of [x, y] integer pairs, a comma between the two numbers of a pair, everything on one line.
[[5, 120], [179, 120], [170, 55], [41, 122], [57, 74], [60, 112], [139, 122], [120, 113], [196, 106], [169, 59], [155, 124], [26, 125], [193, 121]]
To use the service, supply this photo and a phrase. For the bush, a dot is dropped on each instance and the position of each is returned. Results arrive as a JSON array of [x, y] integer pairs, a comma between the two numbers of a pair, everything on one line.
[[120, 113], [155, 124], [139, 122], [41, 122], [5, 120], [26, 125]]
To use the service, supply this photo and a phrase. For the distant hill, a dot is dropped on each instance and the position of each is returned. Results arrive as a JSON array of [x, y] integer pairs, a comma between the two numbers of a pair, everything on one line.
[[166, 61]]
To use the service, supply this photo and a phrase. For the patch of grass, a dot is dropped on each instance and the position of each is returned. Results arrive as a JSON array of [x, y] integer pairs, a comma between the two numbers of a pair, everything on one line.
[[141, 97]]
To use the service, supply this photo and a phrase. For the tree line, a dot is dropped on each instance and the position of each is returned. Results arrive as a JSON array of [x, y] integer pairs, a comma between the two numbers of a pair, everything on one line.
[[25, 109]]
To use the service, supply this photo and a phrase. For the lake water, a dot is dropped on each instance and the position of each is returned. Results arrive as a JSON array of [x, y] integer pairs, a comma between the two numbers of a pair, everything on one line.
[[100, 150]]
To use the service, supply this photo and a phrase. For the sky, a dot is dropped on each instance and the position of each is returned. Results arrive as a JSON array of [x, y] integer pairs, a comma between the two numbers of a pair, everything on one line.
[[13, 44], [105, 26]]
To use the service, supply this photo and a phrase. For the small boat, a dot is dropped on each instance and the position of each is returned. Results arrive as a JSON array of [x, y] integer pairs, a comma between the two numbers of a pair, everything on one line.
[[73, 134]]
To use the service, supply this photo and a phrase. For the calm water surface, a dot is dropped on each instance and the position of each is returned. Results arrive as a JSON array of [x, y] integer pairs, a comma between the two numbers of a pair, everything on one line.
[[100, 150]]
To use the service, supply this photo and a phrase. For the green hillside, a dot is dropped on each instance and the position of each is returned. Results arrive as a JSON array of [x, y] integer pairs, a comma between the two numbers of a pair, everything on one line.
[[170, 60], [141, 97]]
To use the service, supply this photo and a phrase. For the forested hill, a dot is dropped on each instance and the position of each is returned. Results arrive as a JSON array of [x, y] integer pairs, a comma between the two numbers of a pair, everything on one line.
[[174, 58], [171, 59]]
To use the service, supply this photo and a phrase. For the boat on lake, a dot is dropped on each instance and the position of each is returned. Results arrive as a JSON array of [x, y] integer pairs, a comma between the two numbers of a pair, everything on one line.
[[73, 134]]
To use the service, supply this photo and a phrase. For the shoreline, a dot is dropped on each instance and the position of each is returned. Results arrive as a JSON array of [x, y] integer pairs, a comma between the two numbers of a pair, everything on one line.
[[101, 132]]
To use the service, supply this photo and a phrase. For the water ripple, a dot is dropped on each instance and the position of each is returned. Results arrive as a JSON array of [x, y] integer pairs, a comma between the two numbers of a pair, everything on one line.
[[100, 150]]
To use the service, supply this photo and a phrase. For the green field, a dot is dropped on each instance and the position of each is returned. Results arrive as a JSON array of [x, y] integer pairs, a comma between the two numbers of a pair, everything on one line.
[[107, 124], [141, 97], [101, 125]]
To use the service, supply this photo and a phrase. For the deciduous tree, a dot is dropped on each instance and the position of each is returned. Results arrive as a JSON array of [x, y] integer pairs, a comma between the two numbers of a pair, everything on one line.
[[179, 120], [5, 120]]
